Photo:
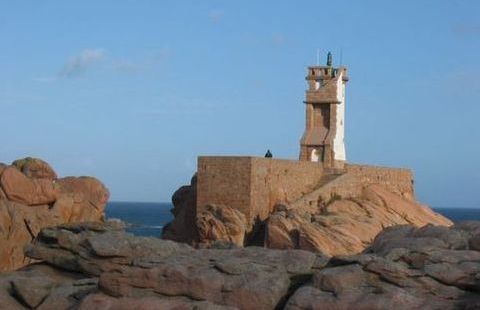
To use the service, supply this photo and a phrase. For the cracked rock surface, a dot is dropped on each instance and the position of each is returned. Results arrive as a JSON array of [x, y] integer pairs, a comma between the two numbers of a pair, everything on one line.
[[346, 225], [432, 267], [33, 197], [98, 266], [341, 219]]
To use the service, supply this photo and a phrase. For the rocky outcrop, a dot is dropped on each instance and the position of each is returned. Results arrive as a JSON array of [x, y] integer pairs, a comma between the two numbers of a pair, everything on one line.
[[405, 268], [221, 224], [29, 191], [183, 227], [97, 266], [160, 272], [35, 168], [342, 216], [32, 197], [345, 226]]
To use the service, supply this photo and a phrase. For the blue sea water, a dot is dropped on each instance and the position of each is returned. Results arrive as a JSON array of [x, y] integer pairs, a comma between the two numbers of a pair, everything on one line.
[[460, 214], [147, 219], [144, 218]]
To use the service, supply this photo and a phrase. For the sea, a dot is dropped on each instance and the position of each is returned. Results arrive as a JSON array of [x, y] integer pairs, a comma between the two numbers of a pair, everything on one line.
[[148, 218]]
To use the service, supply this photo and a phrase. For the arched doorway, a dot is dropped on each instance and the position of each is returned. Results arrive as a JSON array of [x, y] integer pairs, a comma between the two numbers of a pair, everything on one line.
[[315, 156]]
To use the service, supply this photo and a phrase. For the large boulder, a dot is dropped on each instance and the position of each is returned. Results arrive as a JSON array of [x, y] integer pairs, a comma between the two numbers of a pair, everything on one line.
[[183, 228], [221, 224], [164, 274], [43, 287], [31, 198], [404, 268], [35, 168], [29, 191], [81, 198], [345, 226]]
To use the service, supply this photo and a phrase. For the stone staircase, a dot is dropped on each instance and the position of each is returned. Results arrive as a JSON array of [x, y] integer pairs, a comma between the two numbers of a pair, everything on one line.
[[322, 191]]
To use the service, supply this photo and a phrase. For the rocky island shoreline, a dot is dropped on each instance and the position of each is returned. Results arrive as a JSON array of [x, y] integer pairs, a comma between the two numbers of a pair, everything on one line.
[[373, 249]]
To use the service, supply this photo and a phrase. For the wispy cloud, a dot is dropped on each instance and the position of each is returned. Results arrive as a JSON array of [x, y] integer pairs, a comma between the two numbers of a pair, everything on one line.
[[80, 63], [149, 61], [88, 59], [216, 15]]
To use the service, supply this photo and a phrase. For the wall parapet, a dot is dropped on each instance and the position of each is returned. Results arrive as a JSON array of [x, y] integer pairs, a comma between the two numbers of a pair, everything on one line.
[[396, 180]]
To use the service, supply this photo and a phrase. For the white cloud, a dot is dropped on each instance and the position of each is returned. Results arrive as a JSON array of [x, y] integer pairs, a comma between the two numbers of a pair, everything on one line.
[[80, 63], [216, 15]]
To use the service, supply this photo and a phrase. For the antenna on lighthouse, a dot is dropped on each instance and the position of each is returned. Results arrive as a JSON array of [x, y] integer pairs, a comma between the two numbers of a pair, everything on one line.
[[318, 57]]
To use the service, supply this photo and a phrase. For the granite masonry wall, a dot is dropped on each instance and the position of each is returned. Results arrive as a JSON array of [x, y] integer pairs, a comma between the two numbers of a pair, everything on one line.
[[351, 184], [396, 180], [224, 181], [281, 181], [254, 185]]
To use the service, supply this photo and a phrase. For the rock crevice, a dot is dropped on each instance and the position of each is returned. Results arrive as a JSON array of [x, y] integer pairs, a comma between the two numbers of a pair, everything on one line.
[[33, 197], [98, 266]]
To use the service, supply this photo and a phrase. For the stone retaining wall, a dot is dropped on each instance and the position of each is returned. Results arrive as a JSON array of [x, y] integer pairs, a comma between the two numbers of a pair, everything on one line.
[[254, 185]]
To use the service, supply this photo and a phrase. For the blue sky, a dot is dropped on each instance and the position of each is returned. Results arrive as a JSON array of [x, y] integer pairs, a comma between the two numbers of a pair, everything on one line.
[[133, 91]]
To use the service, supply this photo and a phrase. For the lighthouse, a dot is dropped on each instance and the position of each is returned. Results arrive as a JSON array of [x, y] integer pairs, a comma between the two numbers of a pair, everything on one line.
[[323, 139]]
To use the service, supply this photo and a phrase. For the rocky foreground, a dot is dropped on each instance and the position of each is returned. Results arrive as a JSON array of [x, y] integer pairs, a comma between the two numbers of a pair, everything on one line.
[[96, 266], [33, 197]]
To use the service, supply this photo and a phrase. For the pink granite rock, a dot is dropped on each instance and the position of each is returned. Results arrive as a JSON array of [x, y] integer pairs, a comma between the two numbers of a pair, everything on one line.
[[31, 198], [98, 266]]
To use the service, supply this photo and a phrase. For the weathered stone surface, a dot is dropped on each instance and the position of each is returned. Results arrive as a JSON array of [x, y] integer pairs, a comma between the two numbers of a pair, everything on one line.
[[85, 190], [183, 227], [81, 199], [2, 194], [31, 198], [404, 268], [221, 223], [105, 302], [110, 269], [346, 226], [35, 168], [342, 215], [20, 188], [32, 290], [39, 286], [140, 270]]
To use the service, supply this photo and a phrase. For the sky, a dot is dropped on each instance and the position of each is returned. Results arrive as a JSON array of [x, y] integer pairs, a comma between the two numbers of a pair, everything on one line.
[[133, 91]]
